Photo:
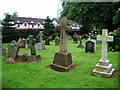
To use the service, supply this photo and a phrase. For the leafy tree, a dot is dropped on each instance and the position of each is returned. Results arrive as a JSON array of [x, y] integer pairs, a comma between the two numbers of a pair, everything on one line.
[[8, 30], [94, 14], [48, 28]]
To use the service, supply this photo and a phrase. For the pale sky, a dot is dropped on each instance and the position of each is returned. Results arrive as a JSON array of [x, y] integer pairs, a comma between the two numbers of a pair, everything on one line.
[[30, 8]]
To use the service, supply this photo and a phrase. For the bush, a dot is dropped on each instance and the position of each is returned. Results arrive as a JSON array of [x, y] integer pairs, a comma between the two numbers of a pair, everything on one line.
[[9, 35]]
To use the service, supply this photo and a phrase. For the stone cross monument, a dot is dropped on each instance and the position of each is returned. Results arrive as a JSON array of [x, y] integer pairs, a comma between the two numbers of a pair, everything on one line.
[[63, 60], [103, 68], [40, 45]]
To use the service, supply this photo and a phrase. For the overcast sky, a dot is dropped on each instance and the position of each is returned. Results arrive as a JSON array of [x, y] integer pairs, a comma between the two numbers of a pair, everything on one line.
[[30, 8]]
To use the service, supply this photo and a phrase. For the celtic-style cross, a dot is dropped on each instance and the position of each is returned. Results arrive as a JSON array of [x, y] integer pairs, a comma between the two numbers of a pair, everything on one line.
[[63, 36]]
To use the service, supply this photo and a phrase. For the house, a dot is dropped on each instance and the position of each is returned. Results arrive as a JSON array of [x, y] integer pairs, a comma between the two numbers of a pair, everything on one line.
[[26, 23]]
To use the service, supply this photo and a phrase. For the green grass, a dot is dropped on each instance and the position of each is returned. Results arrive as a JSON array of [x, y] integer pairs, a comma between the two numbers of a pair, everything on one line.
[[26, 75]]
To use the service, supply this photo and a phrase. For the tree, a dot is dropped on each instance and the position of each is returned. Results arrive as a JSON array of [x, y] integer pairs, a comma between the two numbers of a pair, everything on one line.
[[94, 14], [48, 28], [8, 30]]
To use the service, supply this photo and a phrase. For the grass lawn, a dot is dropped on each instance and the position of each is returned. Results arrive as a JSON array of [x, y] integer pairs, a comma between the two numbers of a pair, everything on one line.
[[26, 75]]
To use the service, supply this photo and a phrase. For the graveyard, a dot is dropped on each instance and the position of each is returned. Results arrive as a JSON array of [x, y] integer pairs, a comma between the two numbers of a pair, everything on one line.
[[39, 75], [79, 48]]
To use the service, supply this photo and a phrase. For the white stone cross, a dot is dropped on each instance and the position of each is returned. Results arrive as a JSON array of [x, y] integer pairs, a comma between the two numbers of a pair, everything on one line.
[[104, 38], [63, 36]]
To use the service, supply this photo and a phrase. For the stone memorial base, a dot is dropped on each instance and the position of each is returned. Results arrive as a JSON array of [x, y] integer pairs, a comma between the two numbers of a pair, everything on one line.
[[62, 62], [103, 69], [31, 58], [40, 46]]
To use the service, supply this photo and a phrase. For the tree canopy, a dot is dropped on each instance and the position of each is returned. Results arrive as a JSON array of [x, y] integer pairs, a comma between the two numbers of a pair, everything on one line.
[[94, 14]]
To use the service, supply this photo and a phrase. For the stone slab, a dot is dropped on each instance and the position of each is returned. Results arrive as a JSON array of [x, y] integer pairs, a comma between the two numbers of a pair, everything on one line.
[[33, 58], [104, 63], [103, 74]]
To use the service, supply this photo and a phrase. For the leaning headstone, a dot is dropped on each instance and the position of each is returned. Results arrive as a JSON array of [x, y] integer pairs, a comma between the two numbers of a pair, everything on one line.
[[40, 45], [57, 41], [4, 51], [63, 60], [33, 56], [0, 42], [89, 48], [103, 68], [80, 46]]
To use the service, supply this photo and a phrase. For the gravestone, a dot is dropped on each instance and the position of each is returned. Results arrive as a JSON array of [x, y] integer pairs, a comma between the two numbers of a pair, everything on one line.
[[94, 43], [4, 51], [89, 48], [80, 46], [63, 59], [14, 42], [40, 45], [103, 68], [11, 49], [33, 56], [47, 41], [57, 41], [0, 42]]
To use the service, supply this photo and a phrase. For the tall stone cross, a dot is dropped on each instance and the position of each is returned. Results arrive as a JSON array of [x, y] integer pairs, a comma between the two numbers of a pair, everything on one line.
[[63, 36], [104, 38], [32, 45]]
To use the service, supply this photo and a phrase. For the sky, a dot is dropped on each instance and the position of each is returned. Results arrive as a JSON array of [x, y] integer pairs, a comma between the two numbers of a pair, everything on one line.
[[30, 8]]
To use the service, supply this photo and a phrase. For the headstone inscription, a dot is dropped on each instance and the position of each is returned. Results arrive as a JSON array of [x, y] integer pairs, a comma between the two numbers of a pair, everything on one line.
[[63, 60], [33, 56], [80, 46], [103, 68], [40, 45], [57, 41], [89, 48]]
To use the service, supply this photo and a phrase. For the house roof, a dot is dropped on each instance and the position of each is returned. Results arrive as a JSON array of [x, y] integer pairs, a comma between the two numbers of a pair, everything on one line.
[[29, 20]]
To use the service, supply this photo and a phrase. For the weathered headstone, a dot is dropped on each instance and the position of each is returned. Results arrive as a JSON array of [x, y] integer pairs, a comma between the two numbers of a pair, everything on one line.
[[0, 42], [33, 56], [57, 41], [63, 60], [11, 49], [103, 68], [40, 45], [4, 51], [89, 48], [14, 42], [80, 46]]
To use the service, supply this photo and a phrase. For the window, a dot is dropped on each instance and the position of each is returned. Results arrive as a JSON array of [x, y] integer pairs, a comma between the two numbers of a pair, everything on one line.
[[32, 25], [18, 25], [32, 22], [38, 25], [25, 24], [18, 21]]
